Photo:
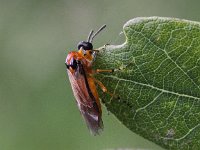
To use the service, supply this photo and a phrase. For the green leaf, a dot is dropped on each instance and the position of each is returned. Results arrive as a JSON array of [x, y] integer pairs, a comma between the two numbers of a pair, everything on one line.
[[159, 80]]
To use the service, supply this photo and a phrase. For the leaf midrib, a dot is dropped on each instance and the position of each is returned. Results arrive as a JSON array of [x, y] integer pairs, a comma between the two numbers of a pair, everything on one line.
[[153, 87]]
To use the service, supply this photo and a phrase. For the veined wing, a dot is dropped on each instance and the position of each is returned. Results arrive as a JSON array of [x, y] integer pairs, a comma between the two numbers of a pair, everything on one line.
[[85, 100]]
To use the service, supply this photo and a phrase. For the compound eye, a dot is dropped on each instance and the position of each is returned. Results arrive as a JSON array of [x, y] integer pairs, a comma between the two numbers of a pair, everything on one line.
[[85, 45], [73, 64]]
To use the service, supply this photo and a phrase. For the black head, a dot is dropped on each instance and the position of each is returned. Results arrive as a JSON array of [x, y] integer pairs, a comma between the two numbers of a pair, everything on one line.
[[85, 45], [88, 45]]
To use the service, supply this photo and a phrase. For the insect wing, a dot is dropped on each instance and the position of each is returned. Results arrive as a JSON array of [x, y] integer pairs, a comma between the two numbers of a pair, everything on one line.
[[85, 101]]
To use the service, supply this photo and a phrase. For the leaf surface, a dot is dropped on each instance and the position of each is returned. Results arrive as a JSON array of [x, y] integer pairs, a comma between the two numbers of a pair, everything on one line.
[[159, 80]]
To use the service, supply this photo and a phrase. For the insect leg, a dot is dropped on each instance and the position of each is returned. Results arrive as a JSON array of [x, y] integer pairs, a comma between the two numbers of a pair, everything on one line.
[[108, 70], [103, 70], [96, 50], [104, 89]]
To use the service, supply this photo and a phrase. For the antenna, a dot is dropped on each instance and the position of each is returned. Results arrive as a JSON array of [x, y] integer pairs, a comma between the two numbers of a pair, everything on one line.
[[92, 37]]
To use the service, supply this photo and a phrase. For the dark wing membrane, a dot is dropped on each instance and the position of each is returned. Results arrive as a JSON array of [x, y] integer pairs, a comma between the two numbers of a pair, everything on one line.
[[92, 118], [85, 100]]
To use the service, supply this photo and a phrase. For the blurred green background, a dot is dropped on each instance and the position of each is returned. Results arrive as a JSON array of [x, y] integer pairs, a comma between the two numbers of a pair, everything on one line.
[[37, 107]]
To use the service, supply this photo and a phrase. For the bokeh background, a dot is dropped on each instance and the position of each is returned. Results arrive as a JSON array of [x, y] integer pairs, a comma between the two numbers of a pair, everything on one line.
[[37, 107]]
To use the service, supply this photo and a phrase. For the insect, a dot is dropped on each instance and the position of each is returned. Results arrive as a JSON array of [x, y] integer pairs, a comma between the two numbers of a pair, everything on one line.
[[80, 72]]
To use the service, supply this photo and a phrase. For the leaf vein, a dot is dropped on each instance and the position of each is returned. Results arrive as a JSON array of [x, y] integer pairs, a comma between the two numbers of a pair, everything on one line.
[[153, 87], [163, 49]]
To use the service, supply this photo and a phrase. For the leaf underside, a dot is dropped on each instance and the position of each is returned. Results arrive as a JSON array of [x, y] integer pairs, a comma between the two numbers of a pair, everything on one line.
[[159, 80]]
